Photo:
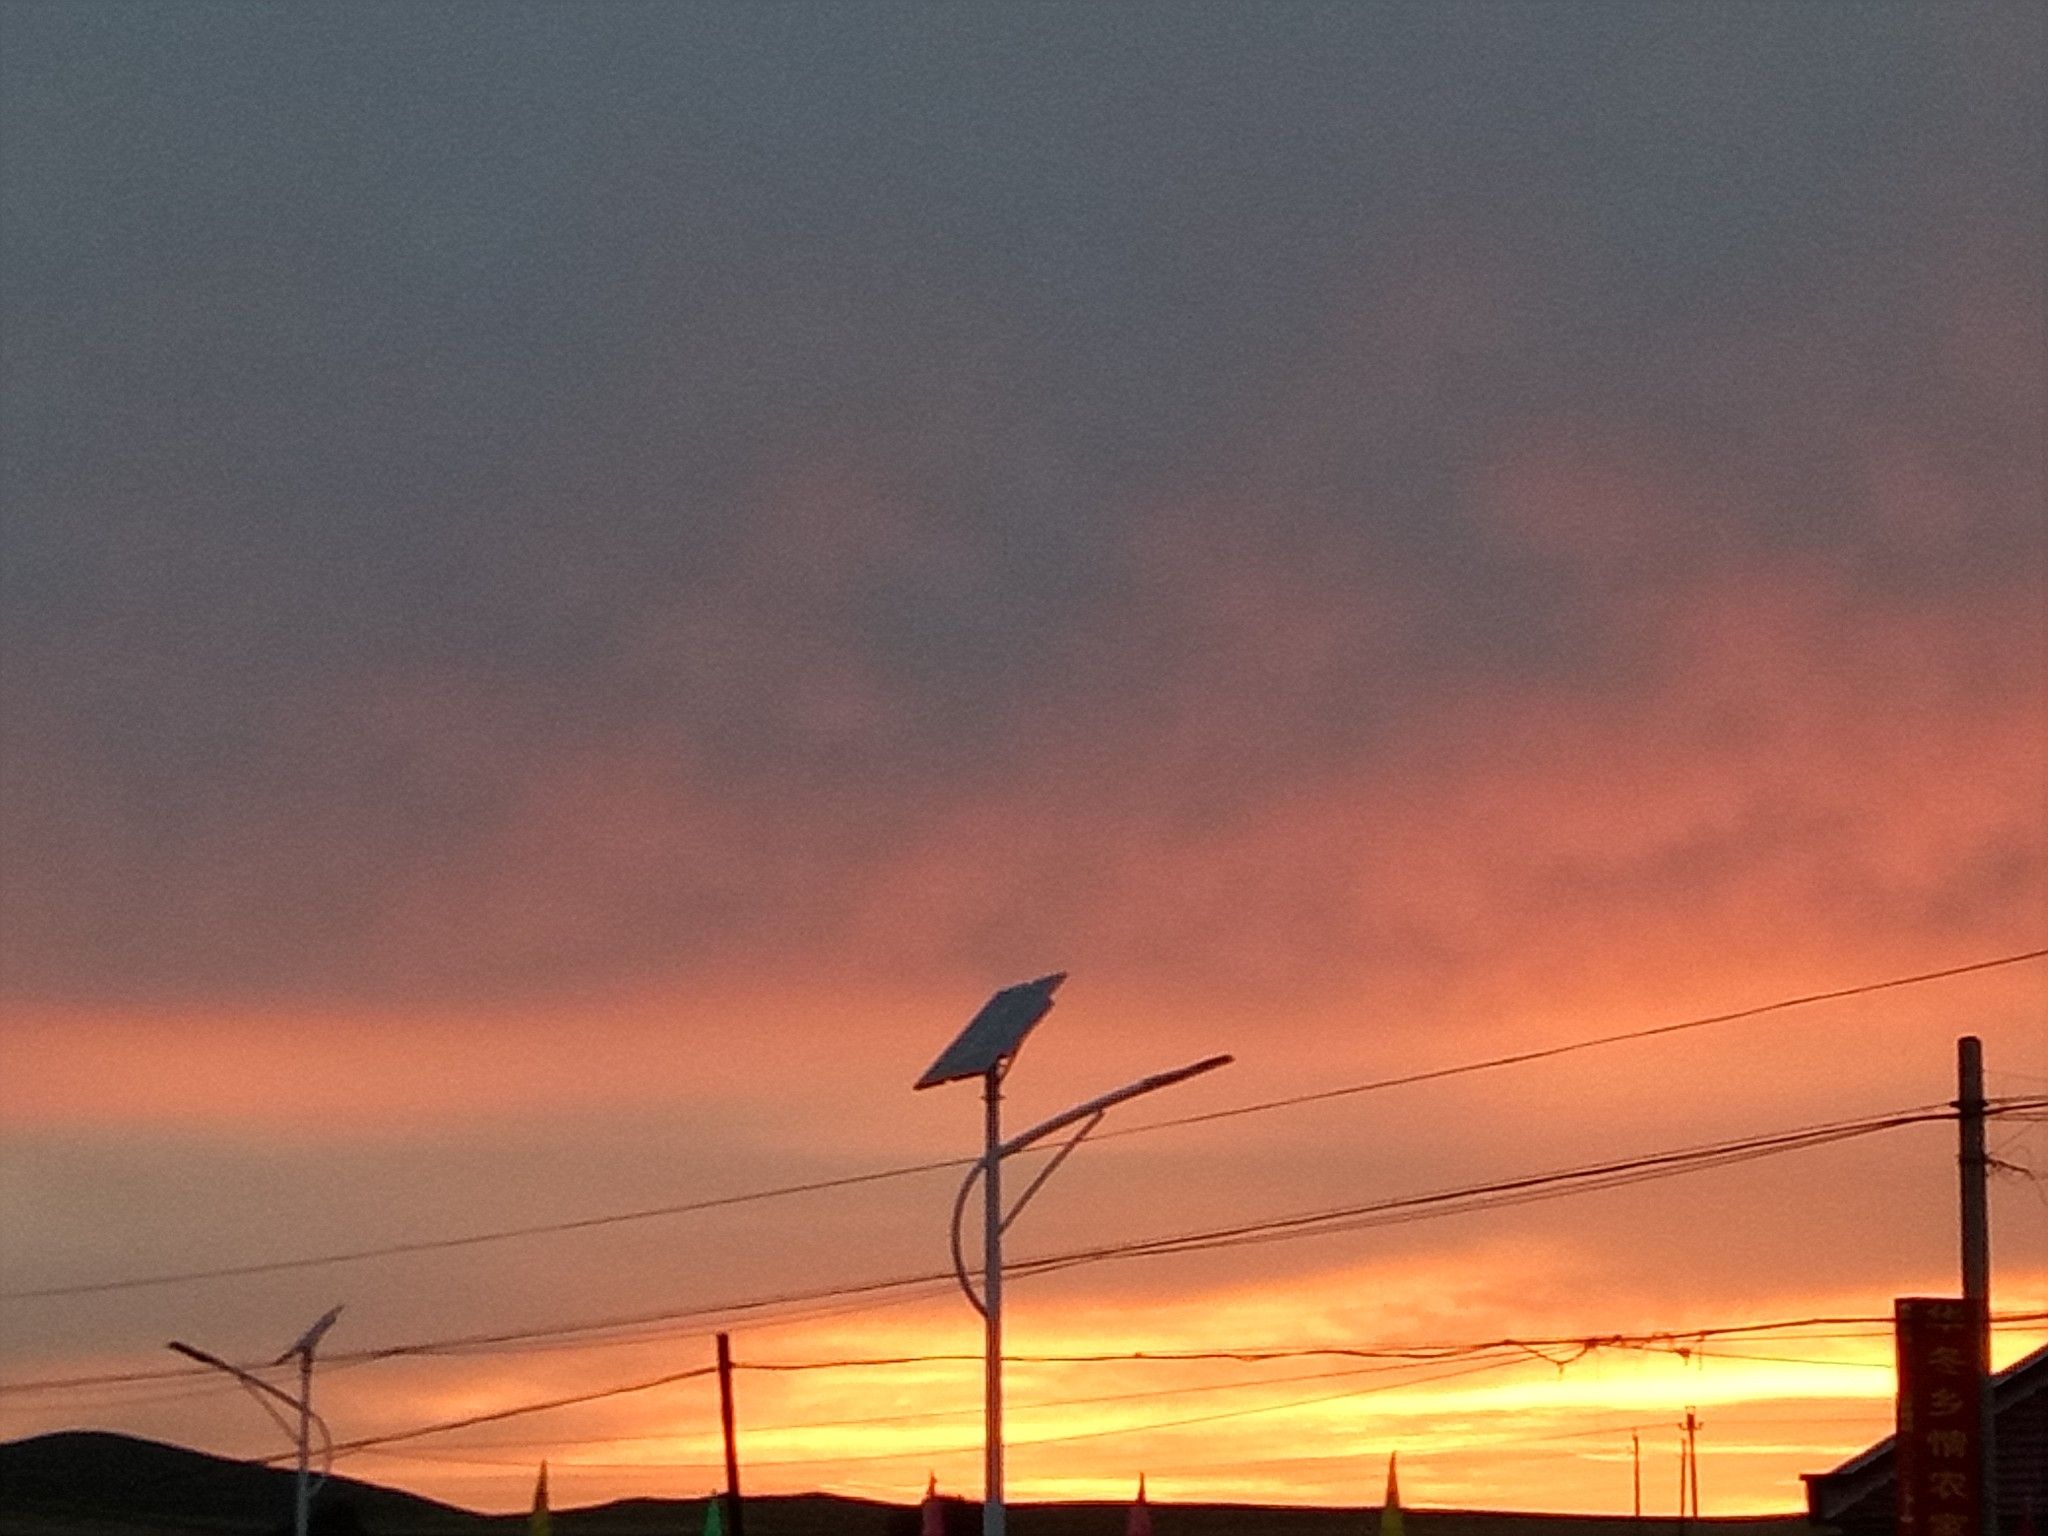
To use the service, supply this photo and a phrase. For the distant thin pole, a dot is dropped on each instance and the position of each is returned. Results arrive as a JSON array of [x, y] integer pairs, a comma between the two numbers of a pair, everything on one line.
[[734, 1512], [1635, 1457]]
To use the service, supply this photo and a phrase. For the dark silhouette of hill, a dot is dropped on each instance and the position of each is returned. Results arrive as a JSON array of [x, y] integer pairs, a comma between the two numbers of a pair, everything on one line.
[[83, 1483], [80, 1476], [801, 1514]]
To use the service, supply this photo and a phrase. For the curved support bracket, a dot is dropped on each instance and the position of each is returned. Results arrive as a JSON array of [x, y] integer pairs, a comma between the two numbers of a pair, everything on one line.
[[1048, 1170], [284, 1425], [326, 1450], [959, 1260], [974, 1175]]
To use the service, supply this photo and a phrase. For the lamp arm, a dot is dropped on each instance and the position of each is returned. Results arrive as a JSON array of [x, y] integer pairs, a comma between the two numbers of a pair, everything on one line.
[[1114, 1097], [246, 1378]]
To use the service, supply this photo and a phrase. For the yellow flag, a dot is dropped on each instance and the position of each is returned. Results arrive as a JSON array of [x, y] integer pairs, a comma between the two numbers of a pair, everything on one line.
[[537, 1523], [1390, 1512]]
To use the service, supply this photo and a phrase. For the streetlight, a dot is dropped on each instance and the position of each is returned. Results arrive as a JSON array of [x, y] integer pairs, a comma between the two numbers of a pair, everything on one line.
[[302, 1509], [985, 1049]]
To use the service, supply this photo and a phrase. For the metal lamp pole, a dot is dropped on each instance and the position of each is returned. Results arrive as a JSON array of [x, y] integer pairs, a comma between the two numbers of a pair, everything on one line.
[[984, 1049], [991, 1303], [302, 1502]]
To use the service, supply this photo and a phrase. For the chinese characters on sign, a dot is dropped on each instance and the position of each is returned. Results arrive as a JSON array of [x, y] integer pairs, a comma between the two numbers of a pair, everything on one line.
[[1940, 1428]]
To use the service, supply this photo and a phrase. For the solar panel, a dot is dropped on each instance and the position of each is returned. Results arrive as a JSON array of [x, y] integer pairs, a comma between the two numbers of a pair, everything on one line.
[[994, 1034], [310, 1339]]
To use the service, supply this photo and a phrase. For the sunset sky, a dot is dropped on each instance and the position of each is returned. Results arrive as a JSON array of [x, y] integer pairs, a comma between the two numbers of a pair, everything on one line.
[[583, 583]]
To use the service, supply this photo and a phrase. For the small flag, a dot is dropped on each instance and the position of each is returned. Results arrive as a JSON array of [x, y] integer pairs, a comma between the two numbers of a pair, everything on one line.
[[714, 1516], [537, 1523], [931, 1519], [1139, 1521], [1390, 1512]]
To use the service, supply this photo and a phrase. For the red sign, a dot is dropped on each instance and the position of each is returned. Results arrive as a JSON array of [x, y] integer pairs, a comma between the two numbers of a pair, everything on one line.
[[1941, 1400]]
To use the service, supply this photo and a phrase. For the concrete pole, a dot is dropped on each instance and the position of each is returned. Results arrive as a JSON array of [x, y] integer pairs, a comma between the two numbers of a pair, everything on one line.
[[992, 1522], [1973, 1167]]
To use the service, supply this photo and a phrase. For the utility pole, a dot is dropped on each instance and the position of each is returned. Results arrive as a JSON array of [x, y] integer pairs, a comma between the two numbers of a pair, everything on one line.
[[1635, 1458], [1973, 1166], [1682, 1456], [1692, 1458], [735, 1518]]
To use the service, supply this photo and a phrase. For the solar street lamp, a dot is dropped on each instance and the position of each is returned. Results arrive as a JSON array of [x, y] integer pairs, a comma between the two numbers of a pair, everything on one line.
[[302, 1405], [985, 1049]]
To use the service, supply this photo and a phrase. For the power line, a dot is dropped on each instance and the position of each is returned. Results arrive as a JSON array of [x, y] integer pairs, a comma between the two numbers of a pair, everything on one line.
[[1871, 1326], [372, 1442], [1399, 1209], [1500, 1193], [1546, 1053], [1551, 1185], [1384, 1358], [909, 1170], [563, 1335], [499, 1414], [1879, 1412], [1852, 1365], [1472, 1359], [1403, 1208], [1020, 1407], [477, 1239], [756, 1432]]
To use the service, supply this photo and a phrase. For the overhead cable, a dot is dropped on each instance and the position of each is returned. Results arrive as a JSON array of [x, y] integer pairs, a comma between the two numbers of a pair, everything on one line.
[[1551, 1185], [909, 1170]]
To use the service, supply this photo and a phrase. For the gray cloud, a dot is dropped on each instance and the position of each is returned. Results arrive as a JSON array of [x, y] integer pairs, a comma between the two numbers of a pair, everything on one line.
[[493, 504]]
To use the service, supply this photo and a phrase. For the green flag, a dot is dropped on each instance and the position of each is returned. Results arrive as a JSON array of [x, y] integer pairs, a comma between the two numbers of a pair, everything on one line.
[[538, 1523], [714, 1516]]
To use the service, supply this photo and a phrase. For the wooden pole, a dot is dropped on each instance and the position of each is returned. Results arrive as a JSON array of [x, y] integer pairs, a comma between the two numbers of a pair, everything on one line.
[[1681, 1480], [1692, 1458], [735, 1515]]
